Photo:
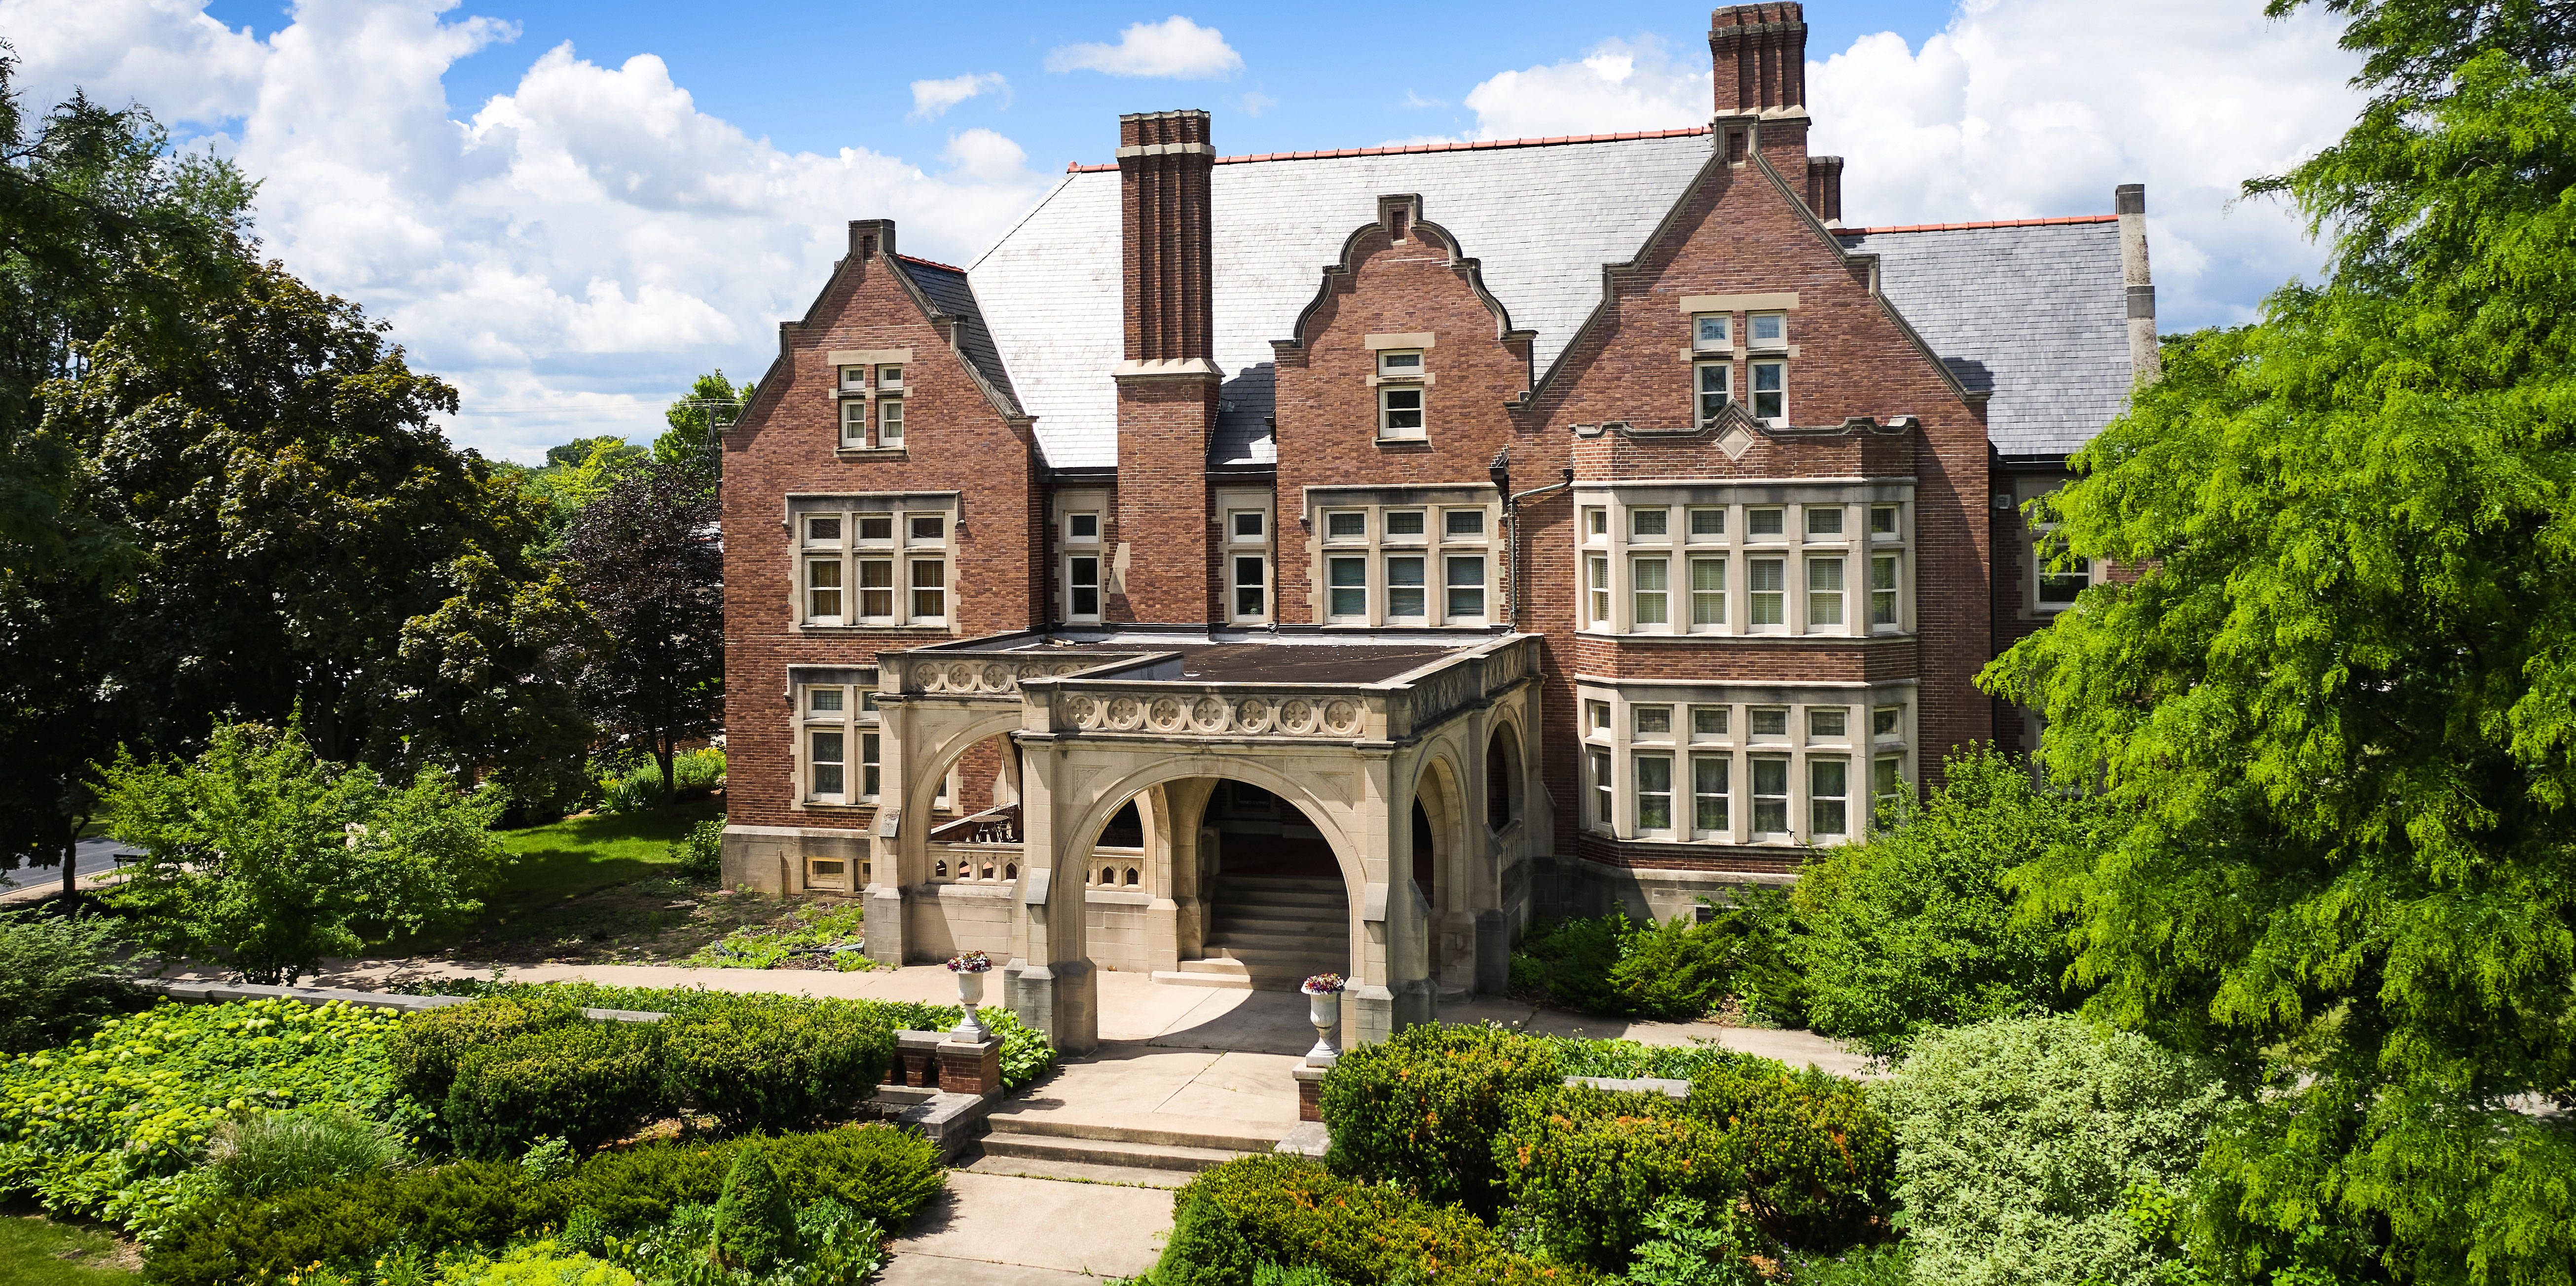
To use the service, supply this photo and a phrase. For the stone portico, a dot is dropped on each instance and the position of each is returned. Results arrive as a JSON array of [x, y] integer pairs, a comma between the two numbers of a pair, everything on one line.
[[1408, 758]]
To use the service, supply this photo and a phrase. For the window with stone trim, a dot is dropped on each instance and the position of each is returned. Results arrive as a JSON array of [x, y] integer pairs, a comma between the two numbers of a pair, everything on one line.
[[1400, 394], [1246, 537], [1698, 559], [1674, 759], [836, 742], [1407, 557], [874, 560]]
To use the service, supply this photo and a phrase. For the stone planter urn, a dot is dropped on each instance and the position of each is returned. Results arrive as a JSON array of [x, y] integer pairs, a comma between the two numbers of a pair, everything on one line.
[[970, 969], [1324, 1010]]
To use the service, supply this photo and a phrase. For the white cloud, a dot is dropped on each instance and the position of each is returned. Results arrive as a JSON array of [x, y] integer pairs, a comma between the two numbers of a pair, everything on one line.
[[1255, 104], [932, 98], [1618, 86], [1412, 99], [2026, 108], [569, 253], [1175, 47]]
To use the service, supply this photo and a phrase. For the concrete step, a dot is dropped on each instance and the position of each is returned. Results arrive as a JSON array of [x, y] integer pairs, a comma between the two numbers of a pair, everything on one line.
[[1326, 899], [1223, 981], [1071, 1171], [1230, 968], [1054, 1125], [1285, 938], [1106, 1152]]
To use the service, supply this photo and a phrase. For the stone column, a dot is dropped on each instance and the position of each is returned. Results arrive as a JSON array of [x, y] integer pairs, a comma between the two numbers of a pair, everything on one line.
[[1052, 988]]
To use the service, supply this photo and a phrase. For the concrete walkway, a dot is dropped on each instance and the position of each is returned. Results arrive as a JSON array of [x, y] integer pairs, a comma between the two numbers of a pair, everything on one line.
[[995, 1228], [1133, 1007]]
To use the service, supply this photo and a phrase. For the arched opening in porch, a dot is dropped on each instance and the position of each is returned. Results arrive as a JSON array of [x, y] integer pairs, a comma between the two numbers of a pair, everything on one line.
[[1239, 886]]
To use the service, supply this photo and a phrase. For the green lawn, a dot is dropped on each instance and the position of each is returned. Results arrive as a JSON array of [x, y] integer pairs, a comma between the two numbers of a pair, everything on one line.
[[40, 1252], [562, 861]]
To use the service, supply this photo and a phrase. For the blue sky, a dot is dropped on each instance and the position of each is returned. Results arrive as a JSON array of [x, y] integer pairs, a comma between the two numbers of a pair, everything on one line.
[[569, 208]]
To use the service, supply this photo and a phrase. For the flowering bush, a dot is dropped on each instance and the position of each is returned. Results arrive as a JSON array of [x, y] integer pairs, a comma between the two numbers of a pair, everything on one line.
[[105, 1128]]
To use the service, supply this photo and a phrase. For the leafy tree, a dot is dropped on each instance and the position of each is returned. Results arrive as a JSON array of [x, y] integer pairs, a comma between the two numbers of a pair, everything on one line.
[[711, 404], [263, 855], [574, 475], [485, 682], [2337, 707], [648, 559], [1914, 929], [58, 975]]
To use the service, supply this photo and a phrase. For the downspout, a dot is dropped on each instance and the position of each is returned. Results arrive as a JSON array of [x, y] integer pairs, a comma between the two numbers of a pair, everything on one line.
[[1502, 476]]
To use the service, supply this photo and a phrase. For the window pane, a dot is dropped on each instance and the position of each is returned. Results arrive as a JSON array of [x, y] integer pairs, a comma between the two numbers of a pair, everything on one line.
[[1599, 590], [889, 424], [1596, 521], [1885, 720], [1769, 721], [1083, 526], [876, 587], [889, 377], [1467, 586], [2063, 586], [1708, 792], [1882, 520], [1251, 577], [1770, 796], [1708, 522], [1082, 580], [1762, 522], [1887, 776], [1463, 522], [1713, 331], [1824, 591], [1349, 586], [1646, 581], [1824, 520], [827, 760], [823, 587], [1764, 583], [876, 526], [1828, 721], [929, 526], [1770, 383], [1404, 586], [824, 700], [1708, 591], [1600, 713], [1349, 524], [1403, 410], [1648, 522], [1826, 790], [1708, 721], [1716, 384], [1601, 796], [854, 424], [1404, 523], [1398, 362], [1654, 792], [929, 588], [1882, 590], [1652, 721], [868, 767], [1769, 328], [1248, 525], [854, 377]]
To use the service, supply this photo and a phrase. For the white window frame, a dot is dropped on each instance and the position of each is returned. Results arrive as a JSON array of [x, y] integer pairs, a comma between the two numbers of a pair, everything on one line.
[[1753, 327], [1075, 583], [1713, 333], [1419, 587], [1818, 768], [1775, 411], [1442, 543], [889, 433], [1691, 721], [1724, 762], [1388, 411], [1640, 796], [1243, 549], [1451, 587]]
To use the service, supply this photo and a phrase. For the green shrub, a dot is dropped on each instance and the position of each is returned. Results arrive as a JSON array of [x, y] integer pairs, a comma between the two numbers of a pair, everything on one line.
[[1630, 1060], [1815, 1158], [1295, 1214], [540, 1263], [755, 1224], [1568, 963], [811, 929], [275, 1151], [58, 978], [103, 1128], [1694, 1244], [631, 782], [699, 855], [1586, 1167], [878, 1175], [1206, 1247], [768, 1062], [2021, 1139], [1421, 1108], [427, 1047], [1676, 970], [589, 1084], [1913, 929]]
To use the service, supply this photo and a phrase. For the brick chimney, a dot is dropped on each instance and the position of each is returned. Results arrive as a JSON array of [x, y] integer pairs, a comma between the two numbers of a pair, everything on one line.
[[1758, 64], [1162, 571]]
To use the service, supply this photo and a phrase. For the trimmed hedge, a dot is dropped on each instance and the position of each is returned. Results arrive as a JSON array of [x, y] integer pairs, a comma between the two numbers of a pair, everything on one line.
[[774, 1062], [1295, 1214], [1422, 1107], [1587, 1167], [426, 1049], [589, 1084], [879, 1171], [1816, 1159]]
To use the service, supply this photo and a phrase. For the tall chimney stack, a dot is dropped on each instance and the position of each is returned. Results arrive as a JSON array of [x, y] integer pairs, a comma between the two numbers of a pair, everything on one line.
[[1759, 52], [1162, 571], [2145, 362]]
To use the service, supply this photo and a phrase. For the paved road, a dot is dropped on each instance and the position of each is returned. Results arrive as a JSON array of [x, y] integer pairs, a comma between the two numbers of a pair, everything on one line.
[[94, 858]]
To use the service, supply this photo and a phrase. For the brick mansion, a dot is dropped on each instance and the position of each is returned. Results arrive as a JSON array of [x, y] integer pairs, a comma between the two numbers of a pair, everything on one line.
[[1253, 566]]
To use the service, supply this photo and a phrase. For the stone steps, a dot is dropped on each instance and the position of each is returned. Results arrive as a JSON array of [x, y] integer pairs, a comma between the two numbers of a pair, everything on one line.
[[1046, 1137], [1279, 929], [1208, 973]]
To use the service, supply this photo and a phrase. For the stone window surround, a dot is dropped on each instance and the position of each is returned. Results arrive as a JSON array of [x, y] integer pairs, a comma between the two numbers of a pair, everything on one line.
[[1434, 501], [1860, 746], [1421, 380], [1062, 506], [849, 507], [1793, 496], [871, 358], [1739, 310], [1228, 503], [858, 716]]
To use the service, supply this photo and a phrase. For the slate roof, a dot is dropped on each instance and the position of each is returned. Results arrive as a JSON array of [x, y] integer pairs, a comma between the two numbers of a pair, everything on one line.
[[1542, 220], [2034, 312], [951, 292]]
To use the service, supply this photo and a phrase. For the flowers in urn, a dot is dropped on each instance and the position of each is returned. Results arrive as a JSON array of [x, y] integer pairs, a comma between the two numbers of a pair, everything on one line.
[[1324, 1010], [970, 968]]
